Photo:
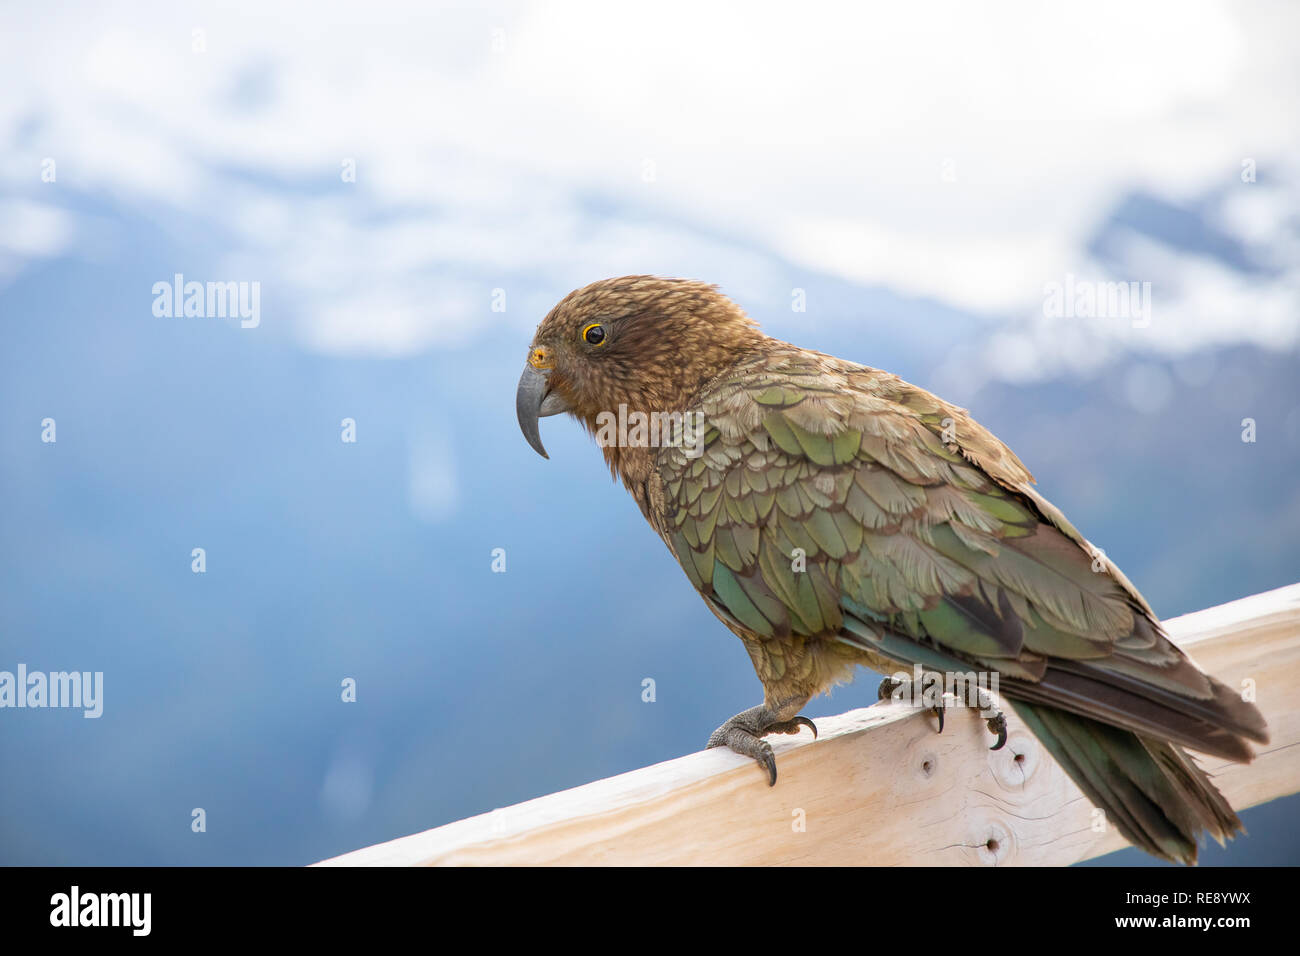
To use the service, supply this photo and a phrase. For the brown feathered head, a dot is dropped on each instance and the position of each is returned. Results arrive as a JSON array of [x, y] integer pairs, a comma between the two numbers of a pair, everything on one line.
[[643, 342]]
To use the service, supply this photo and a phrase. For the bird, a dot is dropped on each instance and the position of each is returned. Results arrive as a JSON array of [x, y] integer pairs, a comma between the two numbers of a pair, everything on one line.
[[833, 516]]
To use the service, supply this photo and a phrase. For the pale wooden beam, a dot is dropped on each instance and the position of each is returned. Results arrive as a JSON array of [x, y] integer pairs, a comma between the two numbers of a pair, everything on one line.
[[879, 787]]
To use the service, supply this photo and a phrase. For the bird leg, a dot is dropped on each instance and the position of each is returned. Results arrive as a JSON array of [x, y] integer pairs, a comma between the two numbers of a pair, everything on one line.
[[744, 733]]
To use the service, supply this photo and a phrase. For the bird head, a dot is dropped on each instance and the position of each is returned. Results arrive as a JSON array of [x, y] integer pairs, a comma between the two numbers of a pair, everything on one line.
[[643, 342]]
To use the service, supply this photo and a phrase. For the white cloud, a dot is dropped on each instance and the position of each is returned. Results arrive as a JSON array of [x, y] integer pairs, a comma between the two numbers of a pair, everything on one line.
[[32, 229], [821, 134]]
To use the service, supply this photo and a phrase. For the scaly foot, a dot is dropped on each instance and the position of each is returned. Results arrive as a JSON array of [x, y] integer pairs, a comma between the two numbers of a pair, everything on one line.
[[744, 734]]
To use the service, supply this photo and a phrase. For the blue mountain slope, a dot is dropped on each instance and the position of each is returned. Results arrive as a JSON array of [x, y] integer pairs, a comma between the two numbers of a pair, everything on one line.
[[372, 561]]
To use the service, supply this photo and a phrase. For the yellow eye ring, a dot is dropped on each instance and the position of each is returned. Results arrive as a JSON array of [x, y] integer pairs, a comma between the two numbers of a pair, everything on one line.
[[593, 334]]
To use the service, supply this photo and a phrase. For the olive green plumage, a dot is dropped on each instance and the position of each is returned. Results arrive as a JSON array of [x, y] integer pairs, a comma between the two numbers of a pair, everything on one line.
[[835, 516]]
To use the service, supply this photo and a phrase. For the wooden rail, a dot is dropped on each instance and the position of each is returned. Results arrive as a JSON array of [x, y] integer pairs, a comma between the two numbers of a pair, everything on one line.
[[879, 786]]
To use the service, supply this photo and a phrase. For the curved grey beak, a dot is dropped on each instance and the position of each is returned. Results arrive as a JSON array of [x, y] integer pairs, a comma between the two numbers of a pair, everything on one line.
[[533, 401]]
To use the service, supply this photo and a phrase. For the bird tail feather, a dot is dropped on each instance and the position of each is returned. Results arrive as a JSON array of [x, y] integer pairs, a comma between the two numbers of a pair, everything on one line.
[[1151, 790]]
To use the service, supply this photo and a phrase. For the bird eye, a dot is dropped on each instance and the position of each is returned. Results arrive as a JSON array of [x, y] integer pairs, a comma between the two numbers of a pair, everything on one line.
[[593, 334]]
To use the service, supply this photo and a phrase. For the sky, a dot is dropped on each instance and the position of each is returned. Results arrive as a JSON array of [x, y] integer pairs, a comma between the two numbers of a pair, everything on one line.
[[412, 186]]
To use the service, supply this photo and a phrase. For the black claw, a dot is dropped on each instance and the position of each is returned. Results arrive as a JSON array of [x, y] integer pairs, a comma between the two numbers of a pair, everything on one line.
[[768, 760], [998, 725], [938, 712], [798, 722]]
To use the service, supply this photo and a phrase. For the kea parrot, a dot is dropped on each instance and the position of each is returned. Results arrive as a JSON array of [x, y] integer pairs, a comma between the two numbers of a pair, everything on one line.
[[832, 515]]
